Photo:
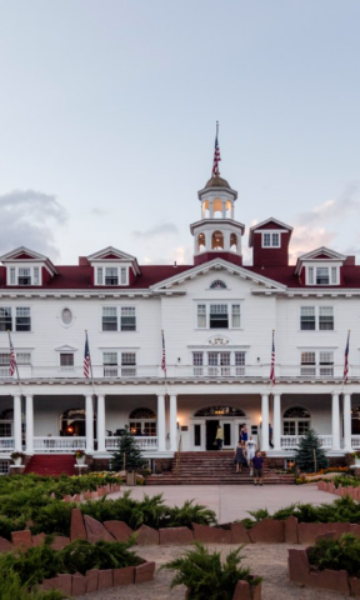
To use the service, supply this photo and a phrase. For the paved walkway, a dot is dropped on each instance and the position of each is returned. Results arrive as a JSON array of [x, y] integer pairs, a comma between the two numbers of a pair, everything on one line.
[[231, 502]]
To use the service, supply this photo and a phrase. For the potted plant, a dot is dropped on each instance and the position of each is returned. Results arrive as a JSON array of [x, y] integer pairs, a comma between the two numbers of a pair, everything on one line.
[[17, 457], [80, 457], [356, 458]]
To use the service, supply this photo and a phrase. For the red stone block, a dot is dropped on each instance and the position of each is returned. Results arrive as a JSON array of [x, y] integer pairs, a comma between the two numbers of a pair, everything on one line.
[[144, 572], [67, 498], [77, 527], [50, 584], [106, 579], [77, 498], [242, 591], [268, 531], [327, 579], [96, 531], [147, 536], [239, 534], [92, 580], [124, 576], [5, 545], [21, 539], [38, 539], [119, 530], [354, 584], [60, 542], [291, 530], [87, 495], [299, 567], [64, 583], [331, 488], [211, 535], [78, 585], [308, 532], [176, 535]]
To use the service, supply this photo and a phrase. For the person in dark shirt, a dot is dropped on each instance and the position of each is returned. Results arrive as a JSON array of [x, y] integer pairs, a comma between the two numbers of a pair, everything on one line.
[[240, 458], [258, 463]]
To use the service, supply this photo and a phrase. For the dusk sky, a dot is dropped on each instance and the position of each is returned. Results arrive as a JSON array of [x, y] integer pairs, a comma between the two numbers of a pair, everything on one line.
[[108, 112]]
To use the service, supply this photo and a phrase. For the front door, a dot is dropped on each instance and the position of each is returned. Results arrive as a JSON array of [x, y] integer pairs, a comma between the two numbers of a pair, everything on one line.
[[227, 427], [211, 428]]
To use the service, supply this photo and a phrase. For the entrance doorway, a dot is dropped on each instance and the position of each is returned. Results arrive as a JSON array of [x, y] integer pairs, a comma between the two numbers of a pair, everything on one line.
[[211, 428]]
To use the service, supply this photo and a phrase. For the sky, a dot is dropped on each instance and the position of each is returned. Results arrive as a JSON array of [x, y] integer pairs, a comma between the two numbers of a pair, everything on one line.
[[108, 112]]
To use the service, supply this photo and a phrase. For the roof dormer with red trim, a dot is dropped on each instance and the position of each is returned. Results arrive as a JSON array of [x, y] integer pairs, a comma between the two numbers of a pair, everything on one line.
[[270, 240], [321, 267], [26, 268], [112, 267]]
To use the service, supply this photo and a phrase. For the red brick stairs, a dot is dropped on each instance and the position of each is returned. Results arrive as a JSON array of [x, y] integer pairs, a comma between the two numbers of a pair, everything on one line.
[[48, 464], [211, 468]]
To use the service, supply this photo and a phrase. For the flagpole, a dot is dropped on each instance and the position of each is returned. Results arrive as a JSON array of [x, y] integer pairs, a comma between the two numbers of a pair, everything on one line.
[[346, 364], [91, 369], [16, 365]]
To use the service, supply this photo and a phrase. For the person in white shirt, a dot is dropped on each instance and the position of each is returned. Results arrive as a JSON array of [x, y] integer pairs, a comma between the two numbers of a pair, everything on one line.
[[250, 452]]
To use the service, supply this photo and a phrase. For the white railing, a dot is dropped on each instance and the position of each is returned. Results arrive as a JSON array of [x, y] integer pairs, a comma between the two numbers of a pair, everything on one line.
[[58, 445], [289, 442], [355, 441], [7, 444], [144, 442]]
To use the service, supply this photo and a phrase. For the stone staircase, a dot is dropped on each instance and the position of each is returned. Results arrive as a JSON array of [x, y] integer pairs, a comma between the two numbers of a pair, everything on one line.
[[53, 465], [211, 468]]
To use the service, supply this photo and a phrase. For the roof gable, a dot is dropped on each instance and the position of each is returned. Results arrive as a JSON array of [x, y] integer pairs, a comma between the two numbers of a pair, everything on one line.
[[110, 253], [22, 253], [322, 254], [270, 223]]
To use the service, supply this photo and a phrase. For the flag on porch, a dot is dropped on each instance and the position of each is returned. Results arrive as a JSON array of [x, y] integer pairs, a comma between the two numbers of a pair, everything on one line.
[[346, 361], [87, 360], [272, 363], [12, 357], [217, 158], [163, 356]]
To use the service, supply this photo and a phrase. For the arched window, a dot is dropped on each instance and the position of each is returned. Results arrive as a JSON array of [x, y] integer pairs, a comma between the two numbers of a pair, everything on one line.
[[233, 242], [217, 208], [218, 285], [217, 241], [296, 421], [220, 411], [73, 422], [201, 242], [142, 421]]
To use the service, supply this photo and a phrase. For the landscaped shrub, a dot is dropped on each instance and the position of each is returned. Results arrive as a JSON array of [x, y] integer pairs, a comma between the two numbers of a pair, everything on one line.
[[12, 589], [310, 456], [189, 513], [206, 577], [53, 518], [341, 554]]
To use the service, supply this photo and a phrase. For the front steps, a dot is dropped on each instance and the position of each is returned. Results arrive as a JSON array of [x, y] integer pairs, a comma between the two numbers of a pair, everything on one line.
[[211, 468], [51, 465]]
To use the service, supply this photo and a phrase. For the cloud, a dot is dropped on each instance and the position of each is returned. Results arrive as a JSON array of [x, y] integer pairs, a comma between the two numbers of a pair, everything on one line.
[[157, 230], [29, 218], [182, 255], [98, 212]]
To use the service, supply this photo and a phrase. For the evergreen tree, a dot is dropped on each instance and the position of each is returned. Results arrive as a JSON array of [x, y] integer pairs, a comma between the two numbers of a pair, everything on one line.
[[133, 457], [310, 456]]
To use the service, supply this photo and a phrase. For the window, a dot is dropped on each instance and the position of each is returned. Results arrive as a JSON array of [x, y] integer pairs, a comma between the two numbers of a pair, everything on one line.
[[271, 240], [143, 422], [198, 362], [201, 315], [66, 360], [317, 363], [219, 363], [123, 275], [36, 276], [111, 276], [23, 358], [128, 364], [218, 285], [100, 276], [219, 316], [24, 277], [12, 276], [235, 316], [110, 362], [5, 319], [322, 275], [308, 363], [66, 316], [239, 363], [23, 319], [128, 318], [296, 421], [326, 362], [316, 318], [109, 319]]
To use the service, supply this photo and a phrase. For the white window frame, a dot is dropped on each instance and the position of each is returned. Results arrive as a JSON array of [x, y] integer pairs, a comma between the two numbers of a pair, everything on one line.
[[14, 315], [318, 369], [232, 316], [120, 367], [201, 362], [120, 314], [122, 274], [274, 235], [317, 315], [333, 274], [35, 273]]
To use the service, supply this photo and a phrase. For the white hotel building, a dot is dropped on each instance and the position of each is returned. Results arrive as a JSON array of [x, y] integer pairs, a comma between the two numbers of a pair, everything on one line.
[[217, 316]]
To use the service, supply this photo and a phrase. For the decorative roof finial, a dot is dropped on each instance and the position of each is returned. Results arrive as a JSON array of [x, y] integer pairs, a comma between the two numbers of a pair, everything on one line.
[[217, 158]]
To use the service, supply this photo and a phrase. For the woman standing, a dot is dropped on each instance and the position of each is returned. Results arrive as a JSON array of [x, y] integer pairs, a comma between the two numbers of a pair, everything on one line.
[[219, 437], [250, 452], [240, 458]]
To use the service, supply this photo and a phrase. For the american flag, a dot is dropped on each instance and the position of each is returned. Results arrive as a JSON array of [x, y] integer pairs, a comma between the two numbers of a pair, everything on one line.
[[217, 157], [272, 364], [163, 356], [346, 362], [12, 357], [87, 360]]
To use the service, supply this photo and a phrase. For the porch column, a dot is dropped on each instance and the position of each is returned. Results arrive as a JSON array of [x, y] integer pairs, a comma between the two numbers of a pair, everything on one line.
[[335, 422], [100, 431], [17, 424], [161, 427], [173, 423], [89, 424], [347, 422], [265, 422], [29, 414], [277, 422]]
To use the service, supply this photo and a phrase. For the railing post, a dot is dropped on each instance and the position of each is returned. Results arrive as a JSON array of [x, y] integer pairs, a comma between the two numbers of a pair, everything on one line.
[[17, 424], [89, 424], [29, 413], [173, 423], [347, 423], [335, 422], [277, 422], [101, 423], [161, 426]]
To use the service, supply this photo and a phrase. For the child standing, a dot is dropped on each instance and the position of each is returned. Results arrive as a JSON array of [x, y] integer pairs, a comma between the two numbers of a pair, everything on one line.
[[258, 464]]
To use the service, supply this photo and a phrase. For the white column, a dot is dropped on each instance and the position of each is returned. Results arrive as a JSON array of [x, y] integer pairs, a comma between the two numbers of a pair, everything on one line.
[[347, 422], [173, 423], [29, 414], [100, 431], [161, 426], [89, 424], [265, 422], [335, 422], [277, 422], [17, 424]]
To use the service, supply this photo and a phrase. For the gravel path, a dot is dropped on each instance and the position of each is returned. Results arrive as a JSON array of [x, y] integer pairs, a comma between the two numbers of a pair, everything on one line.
[[269, 561]]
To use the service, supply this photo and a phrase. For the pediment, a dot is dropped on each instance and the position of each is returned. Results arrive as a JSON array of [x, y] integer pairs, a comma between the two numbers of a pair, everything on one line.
[[23, 253], [110, 253], [66, 348], [321, 254]]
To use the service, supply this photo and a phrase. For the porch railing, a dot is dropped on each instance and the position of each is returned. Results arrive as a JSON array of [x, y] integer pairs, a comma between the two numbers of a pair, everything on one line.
[[144, 442], [58, 445], [7, 444], [289, 442], [355, 441]]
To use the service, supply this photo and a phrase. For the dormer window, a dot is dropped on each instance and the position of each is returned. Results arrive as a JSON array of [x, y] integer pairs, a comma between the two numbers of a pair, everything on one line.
[[322, 275], [24, 276], [112, 276], [271, 239]]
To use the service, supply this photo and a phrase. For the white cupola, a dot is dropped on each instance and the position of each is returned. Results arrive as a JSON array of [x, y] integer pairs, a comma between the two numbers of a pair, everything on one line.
[[217, 233]]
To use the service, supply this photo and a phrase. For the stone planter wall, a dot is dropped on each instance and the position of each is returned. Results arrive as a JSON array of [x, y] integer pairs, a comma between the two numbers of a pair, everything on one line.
[[353, 492], [302, 573]]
